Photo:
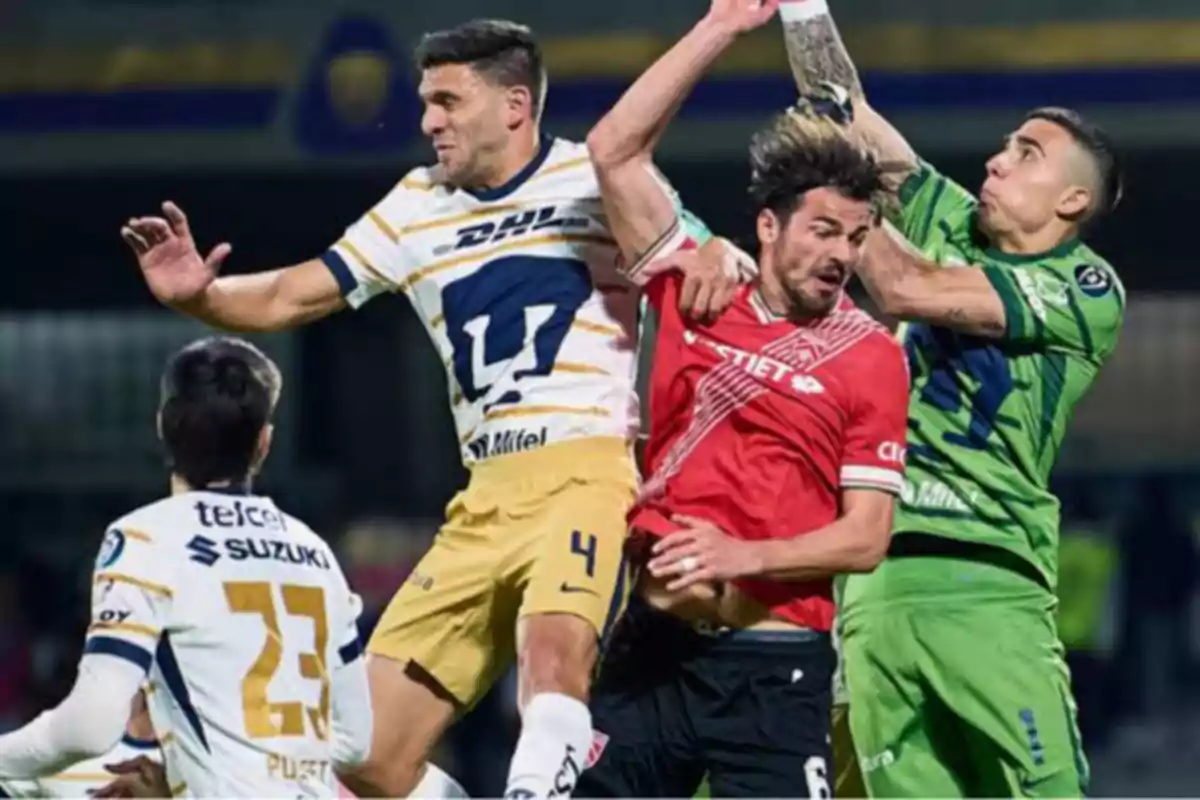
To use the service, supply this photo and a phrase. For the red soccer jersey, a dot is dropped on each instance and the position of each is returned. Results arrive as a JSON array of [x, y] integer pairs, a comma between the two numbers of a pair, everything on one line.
[[758, 423]]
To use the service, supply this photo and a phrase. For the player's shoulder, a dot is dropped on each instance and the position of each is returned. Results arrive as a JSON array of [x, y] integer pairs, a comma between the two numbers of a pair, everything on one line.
[[852, 321], [1090, 273], [874, 347], [562, 169], [156, 520]]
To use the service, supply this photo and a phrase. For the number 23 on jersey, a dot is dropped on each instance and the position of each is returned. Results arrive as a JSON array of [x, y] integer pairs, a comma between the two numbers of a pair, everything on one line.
[[266, 718]]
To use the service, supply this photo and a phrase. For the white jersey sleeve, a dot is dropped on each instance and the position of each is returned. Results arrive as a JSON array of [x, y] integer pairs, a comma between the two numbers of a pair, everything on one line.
[[86, 777], [132, 597], [371, 258], [352, 719]]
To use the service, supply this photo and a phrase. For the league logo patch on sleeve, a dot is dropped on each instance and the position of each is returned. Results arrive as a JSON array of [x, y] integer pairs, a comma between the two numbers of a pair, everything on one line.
[[110, 549], [1093, 281]]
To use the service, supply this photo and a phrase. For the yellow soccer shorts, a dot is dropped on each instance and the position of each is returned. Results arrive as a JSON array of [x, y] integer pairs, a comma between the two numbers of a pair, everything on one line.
[[537, 532]]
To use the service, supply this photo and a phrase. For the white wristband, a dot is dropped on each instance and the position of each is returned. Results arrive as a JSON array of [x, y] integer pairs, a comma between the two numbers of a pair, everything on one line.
[[800, 10]]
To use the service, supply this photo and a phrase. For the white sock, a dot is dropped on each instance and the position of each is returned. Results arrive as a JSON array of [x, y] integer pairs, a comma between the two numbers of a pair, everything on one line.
[[437, 784], [556, 732]]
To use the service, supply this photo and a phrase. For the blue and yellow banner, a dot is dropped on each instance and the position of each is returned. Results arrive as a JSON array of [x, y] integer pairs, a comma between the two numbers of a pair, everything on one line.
[[355, 90]]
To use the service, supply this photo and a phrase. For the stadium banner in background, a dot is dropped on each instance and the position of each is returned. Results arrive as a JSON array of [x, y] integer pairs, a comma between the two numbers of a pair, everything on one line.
[[267, 84]]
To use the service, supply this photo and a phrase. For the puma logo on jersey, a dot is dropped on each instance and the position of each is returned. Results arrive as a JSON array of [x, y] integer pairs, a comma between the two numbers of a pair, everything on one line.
[[764, 368], [207, 552], [512, 226]]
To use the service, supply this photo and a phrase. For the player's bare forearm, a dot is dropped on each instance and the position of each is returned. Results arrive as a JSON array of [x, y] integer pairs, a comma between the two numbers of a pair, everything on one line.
[[906, 285], [856, 542], [275, 300], [639, 206], [818, 55]]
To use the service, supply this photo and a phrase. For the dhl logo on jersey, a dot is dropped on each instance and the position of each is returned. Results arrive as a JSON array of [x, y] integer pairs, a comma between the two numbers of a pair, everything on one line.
[[512, 226]]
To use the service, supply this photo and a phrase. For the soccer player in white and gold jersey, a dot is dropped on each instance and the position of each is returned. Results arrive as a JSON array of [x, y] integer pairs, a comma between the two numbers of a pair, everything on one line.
[[235, 614], [503, 250]]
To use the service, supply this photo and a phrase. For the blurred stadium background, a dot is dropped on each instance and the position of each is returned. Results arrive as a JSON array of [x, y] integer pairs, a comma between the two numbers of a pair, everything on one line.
[[275, 123]]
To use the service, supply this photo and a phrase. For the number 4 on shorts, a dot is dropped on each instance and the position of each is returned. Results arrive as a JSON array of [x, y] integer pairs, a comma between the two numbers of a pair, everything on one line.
[[585, 547]]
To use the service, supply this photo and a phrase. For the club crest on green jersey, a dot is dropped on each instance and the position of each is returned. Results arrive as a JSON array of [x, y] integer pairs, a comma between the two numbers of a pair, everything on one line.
[[1092, 280]]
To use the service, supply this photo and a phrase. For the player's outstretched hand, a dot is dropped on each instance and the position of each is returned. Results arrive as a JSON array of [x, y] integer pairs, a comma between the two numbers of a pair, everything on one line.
[[740, 16], [711, 276], [137, 777], [700, 552], [167, 254]]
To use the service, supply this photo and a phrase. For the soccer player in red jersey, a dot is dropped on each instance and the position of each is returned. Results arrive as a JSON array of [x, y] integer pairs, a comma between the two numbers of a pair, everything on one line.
[[775, 454]]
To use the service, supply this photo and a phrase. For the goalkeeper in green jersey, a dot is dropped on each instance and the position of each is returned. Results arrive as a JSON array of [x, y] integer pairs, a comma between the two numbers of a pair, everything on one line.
[[954, 668]]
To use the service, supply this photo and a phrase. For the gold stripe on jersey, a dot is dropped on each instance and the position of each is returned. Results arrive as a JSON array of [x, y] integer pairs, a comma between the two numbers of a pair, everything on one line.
[[156, 588], [467, 216], [579, 369], [136, 535], [487, 255], [383, 225], [532, 411], [596, 327], [349, 247], [410, 182], [94, 777], [178, 789], [562, 166], [166, 739], [125, 627]]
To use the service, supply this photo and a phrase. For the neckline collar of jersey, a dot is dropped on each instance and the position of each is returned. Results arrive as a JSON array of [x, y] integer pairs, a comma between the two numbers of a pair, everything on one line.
[[139, 744], [518, 180], [238, 490], [768, 317]]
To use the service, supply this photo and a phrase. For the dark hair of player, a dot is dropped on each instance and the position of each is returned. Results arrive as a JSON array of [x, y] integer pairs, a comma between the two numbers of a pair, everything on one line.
[[505, 53], [1099, 146], [799, 152], [217, 396]]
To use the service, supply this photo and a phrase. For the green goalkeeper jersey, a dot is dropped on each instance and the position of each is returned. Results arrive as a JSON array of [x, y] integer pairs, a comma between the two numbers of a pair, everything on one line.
[[987, 416]]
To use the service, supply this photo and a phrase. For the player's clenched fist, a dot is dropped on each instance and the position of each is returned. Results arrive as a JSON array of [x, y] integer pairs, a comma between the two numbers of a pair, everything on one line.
[[167, 254], [740, 16]]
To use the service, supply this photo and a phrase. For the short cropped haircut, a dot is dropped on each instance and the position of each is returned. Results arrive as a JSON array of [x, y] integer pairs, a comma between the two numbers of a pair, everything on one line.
[[798, 152], [505, 53], [217, 396], [1094, 141]]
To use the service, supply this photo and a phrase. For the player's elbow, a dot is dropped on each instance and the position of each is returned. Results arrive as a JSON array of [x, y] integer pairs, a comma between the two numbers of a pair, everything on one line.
[[869, 545], [610, 150], [902, 298], [602, 146]]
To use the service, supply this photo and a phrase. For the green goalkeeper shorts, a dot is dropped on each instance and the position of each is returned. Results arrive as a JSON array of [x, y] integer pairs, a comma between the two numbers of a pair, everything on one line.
[[957, 683]]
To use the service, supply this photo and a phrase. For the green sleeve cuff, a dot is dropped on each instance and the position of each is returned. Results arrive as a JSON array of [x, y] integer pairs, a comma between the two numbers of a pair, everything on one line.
[[1014, 308]]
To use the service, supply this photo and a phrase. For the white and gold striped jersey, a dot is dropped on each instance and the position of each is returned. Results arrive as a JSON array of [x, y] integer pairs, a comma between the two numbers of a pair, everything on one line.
[[519, 290], [247, 630]]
